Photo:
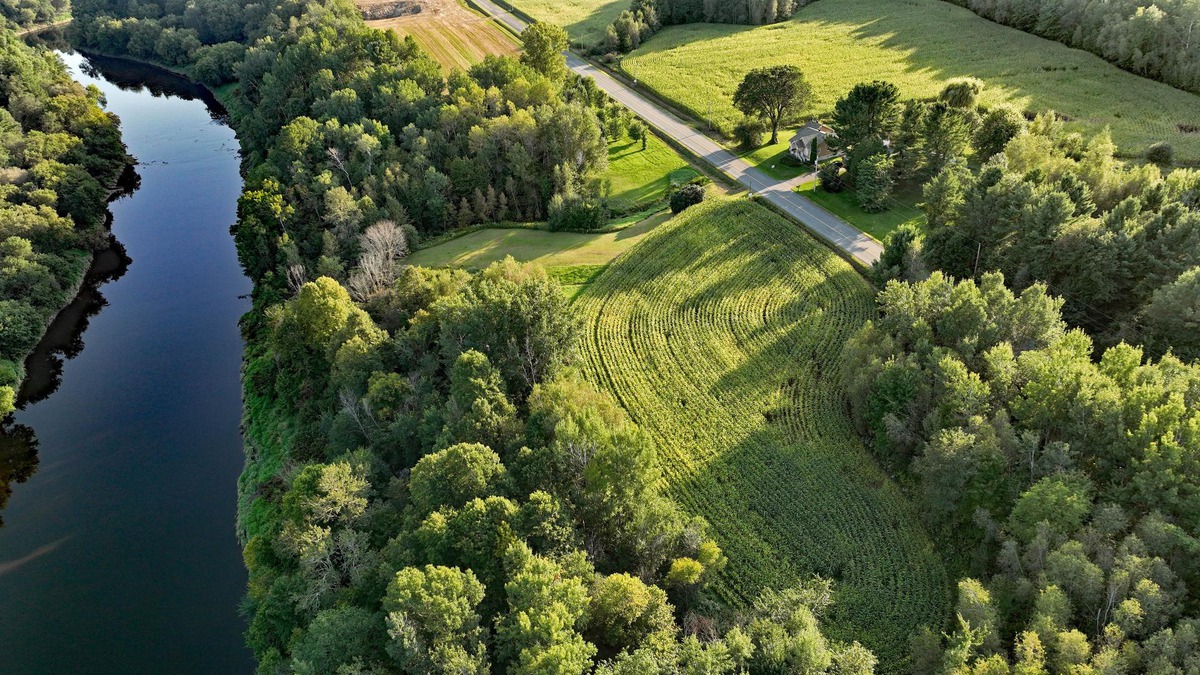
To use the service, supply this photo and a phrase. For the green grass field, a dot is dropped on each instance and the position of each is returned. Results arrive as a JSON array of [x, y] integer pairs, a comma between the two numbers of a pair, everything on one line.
[[878, 225], [919, 45], [721, 334], [639, 178], [585, 20]]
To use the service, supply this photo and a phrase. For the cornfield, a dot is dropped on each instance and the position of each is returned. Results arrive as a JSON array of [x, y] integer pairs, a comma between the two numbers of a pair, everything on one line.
[[721, 333]]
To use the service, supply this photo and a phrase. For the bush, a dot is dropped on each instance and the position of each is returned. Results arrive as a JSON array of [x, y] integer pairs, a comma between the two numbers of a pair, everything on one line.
[[576, 214], [830, 177], [1161, 154], [686, 196], [750, 133]]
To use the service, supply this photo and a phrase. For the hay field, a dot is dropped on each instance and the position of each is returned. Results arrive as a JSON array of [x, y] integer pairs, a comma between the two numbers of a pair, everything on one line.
[[455, 36], [919, 45]]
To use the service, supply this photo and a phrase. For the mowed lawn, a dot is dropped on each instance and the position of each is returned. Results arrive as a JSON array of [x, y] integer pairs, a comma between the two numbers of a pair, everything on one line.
[[919, 45], [455, 36], [638, 178], [575, 258], [878, 225], [585, 20], [722, 335]]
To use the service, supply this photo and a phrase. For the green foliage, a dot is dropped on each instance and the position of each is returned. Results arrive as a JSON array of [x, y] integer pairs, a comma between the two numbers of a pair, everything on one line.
[[1161, 153], [873, 182], [832, 177], [543, 47], [686, 196], [1036, 459], [624, 612], [454, 476], [432, 622], [868, 111], [777, 94]]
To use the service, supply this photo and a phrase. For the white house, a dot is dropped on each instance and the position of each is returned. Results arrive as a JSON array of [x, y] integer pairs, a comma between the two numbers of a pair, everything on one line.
[[801, 145]]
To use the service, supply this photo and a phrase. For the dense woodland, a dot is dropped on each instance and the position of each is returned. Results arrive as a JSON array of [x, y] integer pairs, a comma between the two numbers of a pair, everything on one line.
[[60, 154], [26, 13], [430, 487], [1063, 472], [1160, 40]]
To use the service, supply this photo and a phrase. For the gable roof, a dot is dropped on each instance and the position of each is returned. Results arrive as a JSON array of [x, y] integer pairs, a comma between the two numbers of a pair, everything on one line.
[[813, 129]]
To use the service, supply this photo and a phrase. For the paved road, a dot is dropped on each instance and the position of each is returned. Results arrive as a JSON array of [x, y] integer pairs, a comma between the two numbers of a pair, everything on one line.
[[780, 193]]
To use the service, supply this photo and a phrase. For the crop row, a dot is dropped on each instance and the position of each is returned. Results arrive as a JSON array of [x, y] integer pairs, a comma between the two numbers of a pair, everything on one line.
[[722, 335]]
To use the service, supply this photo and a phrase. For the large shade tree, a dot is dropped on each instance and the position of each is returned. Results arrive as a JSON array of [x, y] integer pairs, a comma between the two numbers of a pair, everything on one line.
[[776, 93]]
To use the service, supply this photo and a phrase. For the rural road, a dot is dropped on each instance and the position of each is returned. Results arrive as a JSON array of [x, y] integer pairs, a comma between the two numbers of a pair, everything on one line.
[[779, 193]]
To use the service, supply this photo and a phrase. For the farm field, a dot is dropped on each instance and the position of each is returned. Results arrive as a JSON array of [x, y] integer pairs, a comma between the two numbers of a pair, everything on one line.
[[585, 20], [878, 225], [919, 45], [721, 335], [639, 178], [455, 36]]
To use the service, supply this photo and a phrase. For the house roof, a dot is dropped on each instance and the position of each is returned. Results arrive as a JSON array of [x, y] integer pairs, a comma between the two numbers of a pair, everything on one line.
[[813, 129]]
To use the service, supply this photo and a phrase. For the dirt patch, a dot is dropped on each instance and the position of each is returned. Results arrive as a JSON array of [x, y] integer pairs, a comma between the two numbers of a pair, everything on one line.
[[1189, 128], [373, 11]]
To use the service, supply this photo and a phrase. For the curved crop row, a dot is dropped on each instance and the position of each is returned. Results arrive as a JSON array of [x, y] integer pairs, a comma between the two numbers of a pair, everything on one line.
[[722, 334]]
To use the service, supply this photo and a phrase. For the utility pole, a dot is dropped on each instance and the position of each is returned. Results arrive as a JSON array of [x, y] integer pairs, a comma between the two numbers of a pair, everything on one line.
[[978, 252]]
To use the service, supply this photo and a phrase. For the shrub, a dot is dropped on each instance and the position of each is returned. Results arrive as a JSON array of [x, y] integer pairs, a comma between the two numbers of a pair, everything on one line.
[[686, 196], [750, 132], [830, 177], [1161, 154]]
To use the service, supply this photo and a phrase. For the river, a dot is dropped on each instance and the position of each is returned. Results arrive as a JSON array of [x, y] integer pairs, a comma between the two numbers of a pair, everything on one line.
[[118, 552]]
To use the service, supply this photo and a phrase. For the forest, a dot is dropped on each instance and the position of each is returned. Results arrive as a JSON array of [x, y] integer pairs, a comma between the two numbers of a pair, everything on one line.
[[430, 485], [60, 156]]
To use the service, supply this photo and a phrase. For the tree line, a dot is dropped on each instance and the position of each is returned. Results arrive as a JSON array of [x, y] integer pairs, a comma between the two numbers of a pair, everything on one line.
[[1065, 478], [430, 487], [60, 154], [1119, 244], [1000, 386], [646, 17], [1160, 39]]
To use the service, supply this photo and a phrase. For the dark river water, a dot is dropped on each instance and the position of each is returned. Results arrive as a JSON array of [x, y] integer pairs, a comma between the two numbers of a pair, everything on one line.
[[117, 550]]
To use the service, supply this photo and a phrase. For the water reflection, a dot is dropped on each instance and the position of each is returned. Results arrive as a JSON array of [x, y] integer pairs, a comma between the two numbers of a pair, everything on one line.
[[18, 458]]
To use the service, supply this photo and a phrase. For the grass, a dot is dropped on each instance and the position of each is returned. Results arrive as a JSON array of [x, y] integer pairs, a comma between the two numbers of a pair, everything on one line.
[[919, 45], [878, 225], [721, 334], [549, 249], [455, 36], [770, 158], [639, 178], [585, 20]]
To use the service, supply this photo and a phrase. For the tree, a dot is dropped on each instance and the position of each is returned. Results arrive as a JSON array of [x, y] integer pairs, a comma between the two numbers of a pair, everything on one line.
[[870, 110], [873, 182], [546, 607], [1172, 319], [637, 132], [686, 196], [432, 621], [624, 612], [777, 93], [831, 177], [961, 93], [454, 476], [544, 44], [999, 126], [946, 136]]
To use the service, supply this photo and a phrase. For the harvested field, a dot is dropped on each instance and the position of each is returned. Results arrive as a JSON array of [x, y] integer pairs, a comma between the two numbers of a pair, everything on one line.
[[454, 35]]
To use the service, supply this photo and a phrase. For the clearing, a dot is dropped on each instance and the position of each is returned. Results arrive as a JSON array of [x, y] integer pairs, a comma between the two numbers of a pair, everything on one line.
[[456, 37], [574, 258], [919, 45], [721, 334]]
